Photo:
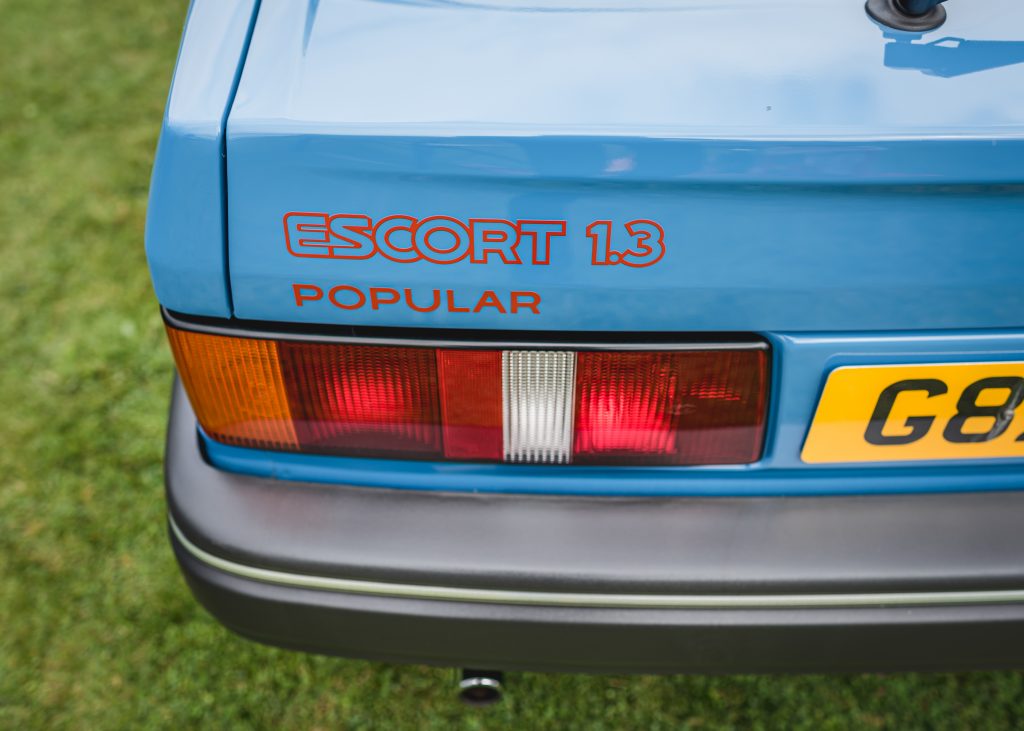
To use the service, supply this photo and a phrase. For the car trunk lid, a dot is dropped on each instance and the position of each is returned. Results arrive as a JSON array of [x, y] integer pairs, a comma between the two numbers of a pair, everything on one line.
[[592, 165]]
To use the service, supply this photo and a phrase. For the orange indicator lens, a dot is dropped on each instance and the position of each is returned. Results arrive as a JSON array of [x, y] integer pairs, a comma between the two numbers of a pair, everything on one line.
[[236, 389]]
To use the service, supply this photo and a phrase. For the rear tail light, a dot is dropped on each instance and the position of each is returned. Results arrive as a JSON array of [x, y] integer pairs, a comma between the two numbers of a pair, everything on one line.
[[362, 400], [470, 396], [236, 388], [533, 406], [537, 387], [698, 407]]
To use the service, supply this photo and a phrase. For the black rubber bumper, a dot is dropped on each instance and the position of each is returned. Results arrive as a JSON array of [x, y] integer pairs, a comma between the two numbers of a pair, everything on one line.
[[881, 583]]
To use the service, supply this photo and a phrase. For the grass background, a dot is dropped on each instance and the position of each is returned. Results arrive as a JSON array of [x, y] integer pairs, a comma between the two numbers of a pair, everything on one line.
[[97, 630]]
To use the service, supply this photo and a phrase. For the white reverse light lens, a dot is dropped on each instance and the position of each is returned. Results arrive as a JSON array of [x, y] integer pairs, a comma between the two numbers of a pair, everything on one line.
[[537, 388]]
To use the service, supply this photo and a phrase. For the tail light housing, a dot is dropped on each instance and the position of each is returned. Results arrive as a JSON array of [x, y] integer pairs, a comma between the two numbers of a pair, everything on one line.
[[656, 405]]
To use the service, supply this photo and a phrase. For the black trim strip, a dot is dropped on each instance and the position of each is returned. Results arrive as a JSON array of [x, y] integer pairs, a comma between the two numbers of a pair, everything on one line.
[[457, 338]]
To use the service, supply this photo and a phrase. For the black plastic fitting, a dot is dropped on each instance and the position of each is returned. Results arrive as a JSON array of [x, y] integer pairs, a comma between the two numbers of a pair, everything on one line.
[[909, 15], [918, 7]]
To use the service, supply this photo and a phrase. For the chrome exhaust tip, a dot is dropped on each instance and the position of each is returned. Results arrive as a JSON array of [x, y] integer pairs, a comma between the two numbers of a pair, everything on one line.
[[481, 687]]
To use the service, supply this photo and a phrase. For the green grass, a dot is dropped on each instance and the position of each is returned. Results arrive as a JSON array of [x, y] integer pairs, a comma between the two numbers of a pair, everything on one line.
[[97, 629]]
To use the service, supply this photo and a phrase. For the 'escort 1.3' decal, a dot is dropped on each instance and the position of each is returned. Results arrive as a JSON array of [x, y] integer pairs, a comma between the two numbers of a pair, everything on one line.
[[446, 240]]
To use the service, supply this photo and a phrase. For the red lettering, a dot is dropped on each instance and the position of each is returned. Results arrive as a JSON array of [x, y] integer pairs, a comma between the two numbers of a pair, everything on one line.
[[447, 240], [442, 239], [494, 236], [540, 234], [332, 295], [602, 253], [300, 298], [356, 233], [451, 303], [489, 299], [384, 235], [297, 226], [347, 297], [647, 249], [530, 301], [650, 243], [377, 297], [433, 305]]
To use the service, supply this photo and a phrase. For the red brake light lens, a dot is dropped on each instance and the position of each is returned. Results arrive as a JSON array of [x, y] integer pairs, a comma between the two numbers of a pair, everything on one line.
[[613, 407], [698, 407], [471, 403], [362, 400]]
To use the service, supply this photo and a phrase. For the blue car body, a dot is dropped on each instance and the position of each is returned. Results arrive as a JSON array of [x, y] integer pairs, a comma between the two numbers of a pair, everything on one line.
[[851, 194]]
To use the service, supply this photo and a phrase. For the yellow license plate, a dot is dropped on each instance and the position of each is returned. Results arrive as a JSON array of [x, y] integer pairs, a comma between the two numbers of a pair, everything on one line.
[[915, 412]]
